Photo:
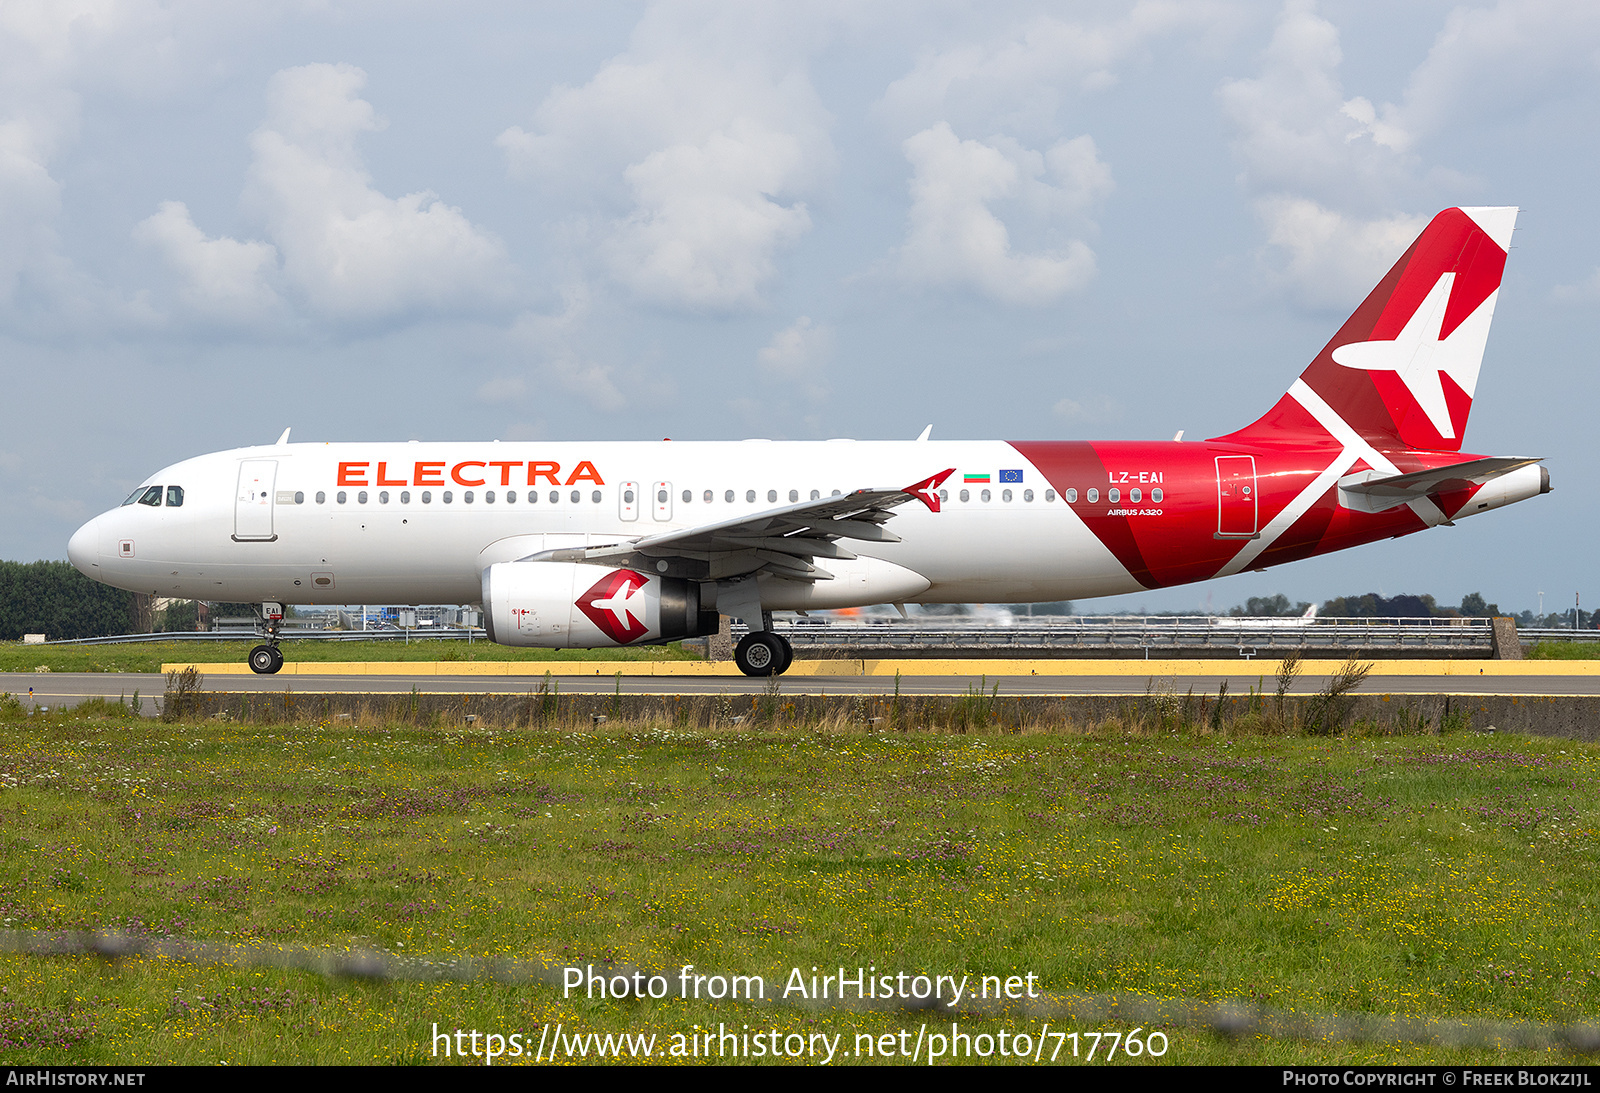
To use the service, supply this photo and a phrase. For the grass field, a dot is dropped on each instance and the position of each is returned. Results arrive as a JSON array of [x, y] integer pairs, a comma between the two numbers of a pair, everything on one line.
[[16, 657], [1565, 650], [1435, 876]]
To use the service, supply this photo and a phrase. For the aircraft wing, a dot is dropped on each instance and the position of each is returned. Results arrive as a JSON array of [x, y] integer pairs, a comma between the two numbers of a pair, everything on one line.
[[1371, 491], [783, 541]]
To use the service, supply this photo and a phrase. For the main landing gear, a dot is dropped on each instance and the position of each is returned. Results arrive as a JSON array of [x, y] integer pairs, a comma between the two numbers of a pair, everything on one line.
[[763, 653], [265, 660]]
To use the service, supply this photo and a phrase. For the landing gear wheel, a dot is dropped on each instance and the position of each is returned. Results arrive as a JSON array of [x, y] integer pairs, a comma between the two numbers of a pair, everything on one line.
[[265, 660], [761, 654], [788, 655]]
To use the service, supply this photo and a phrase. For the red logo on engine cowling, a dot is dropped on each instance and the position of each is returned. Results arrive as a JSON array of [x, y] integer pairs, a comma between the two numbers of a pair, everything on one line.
[[617, 604]]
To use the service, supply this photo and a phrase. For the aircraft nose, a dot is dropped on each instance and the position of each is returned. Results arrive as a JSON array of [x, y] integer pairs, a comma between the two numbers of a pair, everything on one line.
[[83, 549]]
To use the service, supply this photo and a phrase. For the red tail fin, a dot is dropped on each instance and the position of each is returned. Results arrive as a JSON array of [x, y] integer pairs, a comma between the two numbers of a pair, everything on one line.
[[1402, 369]]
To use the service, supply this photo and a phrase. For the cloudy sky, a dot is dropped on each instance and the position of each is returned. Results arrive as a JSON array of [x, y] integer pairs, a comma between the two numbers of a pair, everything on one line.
[[1093, 220]]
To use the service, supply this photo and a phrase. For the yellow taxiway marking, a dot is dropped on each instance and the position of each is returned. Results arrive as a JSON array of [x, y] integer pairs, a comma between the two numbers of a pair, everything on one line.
[[990, 668]]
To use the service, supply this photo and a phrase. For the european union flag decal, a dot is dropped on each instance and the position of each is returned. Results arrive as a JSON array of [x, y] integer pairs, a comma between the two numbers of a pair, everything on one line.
[[1011, 476]]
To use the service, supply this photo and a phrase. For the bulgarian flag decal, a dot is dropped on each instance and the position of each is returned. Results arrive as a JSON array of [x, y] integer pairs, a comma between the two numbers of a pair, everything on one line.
[[980, 478]]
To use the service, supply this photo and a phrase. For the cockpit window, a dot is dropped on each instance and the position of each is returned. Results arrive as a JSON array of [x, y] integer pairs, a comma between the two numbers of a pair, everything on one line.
[[152, 497], [174, 496]]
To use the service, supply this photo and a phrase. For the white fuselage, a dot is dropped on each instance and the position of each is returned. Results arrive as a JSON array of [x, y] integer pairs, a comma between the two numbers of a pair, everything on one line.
[[419, 522]]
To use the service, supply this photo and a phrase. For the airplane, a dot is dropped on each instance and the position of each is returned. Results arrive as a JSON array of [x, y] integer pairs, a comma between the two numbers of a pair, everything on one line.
[[575, 544]]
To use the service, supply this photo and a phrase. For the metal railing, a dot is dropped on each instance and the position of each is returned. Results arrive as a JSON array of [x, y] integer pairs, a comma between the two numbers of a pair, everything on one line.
[[431, 633], [1090, 633]]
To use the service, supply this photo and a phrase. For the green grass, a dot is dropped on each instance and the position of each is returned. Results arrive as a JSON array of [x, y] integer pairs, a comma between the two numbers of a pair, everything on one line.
[[16, 657], [1446, 877], [1565, 650]]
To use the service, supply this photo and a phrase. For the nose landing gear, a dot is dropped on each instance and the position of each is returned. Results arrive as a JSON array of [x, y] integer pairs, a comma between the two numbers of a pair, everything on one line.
[[265, 660]]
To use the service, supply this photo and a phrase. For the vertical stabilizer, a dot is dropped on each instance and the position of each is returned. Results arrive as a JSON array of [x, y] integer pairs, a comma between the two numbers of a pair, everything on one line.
[[1402, 370]]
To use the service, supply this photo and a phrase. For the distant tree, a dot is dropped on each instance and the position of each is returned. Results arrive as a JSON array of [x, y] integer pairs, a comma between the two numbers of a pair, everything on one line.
[[54, 599], [1473, 606], [1374, 606], [180, 615], [1269, 606]]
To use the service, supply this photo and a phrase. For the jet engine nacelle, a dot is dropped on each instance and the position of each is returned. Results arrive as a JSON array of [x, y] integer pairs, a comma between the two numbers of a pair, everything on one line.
[[561, 605]]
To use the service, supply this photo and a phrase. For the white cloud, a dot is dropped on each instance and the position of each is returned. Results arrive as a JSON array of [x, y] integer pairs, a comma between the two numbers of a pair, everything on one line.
[[220, 278], [1331, 177], [1326, 173], [1018, 79], [696, 149], [1298, 133], [954, 238], [1331, 258], [798, 355], [49, 50], [336, 245], [349, 250], [558, 358]]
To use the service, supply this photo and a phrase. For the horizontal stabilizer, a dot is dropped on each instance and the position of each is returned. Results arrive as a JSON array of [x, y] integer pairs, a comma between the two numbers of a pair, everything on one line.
[[1372, 491]]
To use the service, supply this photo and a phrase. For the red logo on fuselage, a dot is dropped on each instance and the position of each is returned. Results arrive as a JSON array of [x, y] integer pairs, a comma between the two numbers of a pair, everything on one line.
[[617, 604]]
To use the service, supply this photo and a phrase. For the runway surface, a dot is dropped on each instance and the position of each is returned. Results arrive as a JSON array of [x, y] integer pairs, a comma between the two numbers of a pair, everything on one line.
[[1541, 678]]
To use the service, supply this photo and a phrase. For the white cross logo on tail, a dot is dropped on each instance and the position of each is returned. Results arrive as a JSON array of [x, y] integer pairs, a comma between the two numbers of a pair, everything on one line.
[[1419, 356]]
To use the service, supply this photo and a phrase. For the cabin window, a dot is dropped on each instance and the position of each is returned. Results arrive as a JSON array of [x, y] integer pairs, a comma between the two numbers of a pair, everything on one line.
[[511, 496], [627, 497], [134, 496], [1113, 495], [427, 496], [966, 495], [1005, 495], [383, 497], [488, 497], [466, 497], [1094, 495], [1134, 495], [728, 497], [750, 496], [794, 495], [555, 496], [405, 497], [1027, 495], [576, 497], [299, 498], [944, 495], [339, 497], [835, 493], [772, 495], [322, 498], [1072, 497], [152, 497], [707, 497], [815, 494], [985, 495], [175, 497], [447, 496], [595, 497], [688, 495], [361, 497], [661, 497], [533, 497], [1155, 495]]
